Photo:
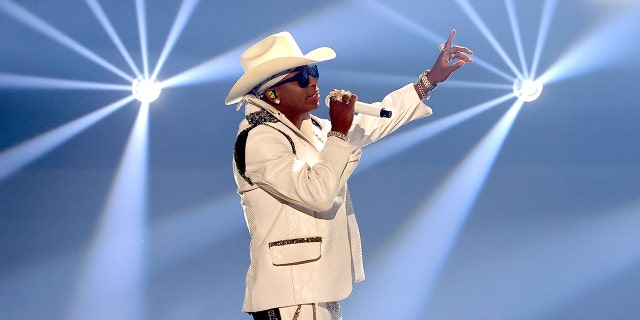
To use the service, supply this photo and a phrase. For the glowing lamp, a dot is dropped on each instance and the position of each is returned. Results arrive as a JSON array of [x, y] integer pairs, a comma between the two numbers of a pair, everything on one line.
[[527, 90], [145, 90]]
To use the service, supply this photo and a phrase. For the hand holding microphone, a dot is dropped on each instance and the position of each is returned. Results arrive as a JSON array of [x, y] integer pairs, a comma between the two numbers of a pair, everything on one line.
[[360, 107]]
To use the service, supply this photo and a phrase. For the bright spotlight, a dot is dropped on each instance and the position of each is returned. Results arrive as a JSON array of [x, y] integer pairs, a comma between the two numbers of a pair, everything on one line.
[[145, 90], [527, 90]]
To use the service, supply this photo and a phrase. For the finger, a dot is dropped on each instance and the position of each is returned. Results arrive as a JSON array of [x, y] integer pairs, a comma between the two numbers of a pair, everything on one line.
[[346, 97], [353, 99], [463, 57], [455, 49], [342, 95], [457, 65], [452, 35]]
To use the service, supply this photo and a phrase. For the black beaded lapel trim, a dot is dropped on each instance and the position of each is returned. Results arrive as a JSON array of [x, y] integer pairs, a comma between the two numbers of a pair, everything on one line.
[[260, 117], [239, 150]]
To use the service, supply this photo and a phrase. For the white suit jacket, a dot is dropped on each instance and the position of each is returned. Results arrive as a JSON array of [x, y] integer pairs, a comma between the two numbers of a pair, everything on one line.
[[305, 244]]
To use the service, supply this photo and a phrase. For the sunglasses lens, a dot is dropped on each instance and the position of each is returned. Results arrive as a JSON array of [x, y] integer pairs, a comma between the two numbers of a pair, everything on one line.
[[302, 77], [303, 80], [313, 71]]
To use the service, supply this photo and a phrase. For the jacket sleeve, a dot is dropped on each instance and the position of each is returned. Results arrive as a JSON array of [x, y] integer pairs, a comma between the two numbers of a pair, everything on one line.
[[406, 107], [271, 164]]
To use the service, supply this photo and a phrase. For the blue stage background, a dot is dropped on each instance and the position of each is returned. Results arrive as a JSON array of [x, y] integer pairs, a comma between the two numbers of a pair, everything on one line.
[[492, 210]]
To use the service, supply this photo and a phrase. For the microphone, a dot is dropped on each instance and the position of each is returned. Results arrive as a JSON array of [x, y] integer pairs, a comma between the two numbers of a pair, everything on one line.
[[361, 107]]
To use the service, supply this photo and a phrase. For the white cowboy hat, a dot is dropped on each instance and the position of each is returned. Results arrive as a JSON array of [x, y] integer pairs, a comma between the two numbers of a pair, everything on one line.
[[271, 55]]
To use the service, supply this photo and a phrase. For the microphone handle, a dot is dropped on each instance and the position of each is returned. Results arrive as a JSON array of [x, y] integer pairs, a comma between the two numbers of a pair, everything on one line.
[[372, 110], [366, 108]]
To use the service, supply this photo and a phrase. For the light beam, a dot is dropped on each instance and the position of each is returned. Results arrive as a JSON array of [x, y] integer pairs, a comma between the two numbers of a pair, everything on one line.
[[588, 54], [108, 27], [477, 85], [389, 13], [475, 18], [17, 157], [185, 12], [21, 14], [543, 31], [428, 237], [142, 33], [517, 36], [222, 67], [479, 61], [393, 145], [8, 80], [111, 285], [401, 20]]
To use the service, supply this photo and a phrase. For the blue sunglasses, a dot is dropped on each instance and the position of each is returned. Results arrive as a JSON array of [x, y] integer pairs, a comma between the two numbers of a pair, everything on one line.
[[302, 77]]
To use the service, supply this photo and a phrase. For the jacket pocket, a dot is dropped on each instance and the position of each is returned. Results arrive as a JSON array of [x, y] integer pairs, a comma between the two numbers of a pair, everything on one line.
[[295, 251]]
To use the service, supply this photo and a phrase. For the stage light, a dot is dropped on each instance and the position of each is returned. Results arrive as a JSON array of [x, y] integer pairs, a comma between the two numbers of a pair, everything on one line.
[[527, 90], [145, 90]]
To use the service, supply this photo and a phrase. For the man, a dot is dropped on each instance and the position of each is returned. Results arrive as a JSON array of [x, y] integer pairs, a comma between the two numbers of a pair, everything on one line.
[[292, 168]]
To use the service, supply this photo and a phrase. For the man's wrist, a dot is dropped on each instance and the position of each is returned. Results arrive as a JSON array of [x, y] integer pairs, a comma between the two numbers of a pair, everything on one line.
[[424, 86]]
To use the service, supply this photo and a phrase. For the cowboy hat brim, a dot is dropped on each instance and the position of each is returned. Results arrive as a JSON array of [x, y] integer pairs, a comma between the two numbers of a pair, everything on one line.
[[263, 71]]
